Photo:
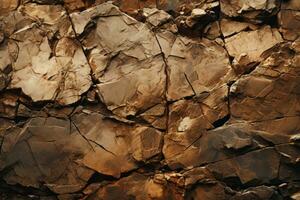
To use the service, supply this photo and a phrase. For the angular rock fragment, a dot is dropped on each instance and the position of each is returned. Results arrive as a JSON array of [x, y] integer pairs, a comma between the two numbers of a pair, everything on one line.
[[156, 116], [46, 71], [201, 147], [247, 47], [126, 60], [275, 80], [41, 146], [120, 147], [248, 168], [182, 99], [209, 192], [229, 27], [138, 186], [196, 67], [260, 192], [156, 17], [251, 10], [289, 19], [77, 147]]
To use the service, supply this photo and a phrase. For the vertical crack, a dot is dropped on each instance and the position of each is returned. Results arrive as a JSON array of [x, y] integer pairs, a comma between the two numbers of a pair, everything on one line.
[[190, 83], [79, 42], [82, 135], [166, 70]]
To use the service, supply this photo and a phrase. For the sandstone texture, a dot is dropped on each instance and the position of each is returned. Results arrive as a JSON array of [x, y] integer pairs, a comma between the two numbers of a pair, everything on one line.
[[150, 99]]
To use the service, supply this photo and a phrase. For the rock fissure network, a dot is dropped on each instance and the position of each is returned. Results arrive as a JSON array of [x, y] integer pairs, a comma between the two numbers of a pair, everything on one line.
[[150, 99]]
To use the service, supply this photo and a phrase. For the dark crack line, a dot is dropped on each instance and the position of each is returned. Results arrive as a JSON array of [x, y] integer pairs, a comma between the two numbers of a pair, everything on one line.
[[33, 157], [102, 147], [166, 68], [81, 46], [187, 79], [83, 136], [198, 138]]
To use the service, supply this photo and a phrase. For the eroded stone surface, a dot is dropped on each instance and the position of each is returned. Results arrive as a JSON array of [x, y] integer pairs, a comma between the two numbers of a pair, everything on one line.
[[247, 47], [249, 9], [149, 99], [75, 146]]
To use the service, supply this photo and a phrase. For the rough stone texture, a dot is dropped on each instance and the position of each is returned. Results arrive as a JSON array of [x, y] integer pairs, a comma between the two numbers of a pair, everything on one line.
[[149, 99]]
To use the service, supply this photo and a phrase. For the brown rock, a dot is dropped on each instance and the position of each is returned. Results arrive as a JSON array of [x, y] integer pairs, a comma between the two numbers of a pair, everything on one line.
[[139, 187], [119, 65], [289, 21], [248, 9], [8, 5], [247, 47], [196, 67], [118, 146], [41, 146], [274, 84], [209, 192], [229, 27], [260, 192], [201, 147], [249, 168], [42, 71]]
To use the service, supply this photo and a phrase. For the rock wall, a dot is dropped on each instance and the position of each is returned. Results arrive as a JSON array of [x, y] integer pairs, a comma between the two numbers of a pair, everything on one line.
[[144, 99]]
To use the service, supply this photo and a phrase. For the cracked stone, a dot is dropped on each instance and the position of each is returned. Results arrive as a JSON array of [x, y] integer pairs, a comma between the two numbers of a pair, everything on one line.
[[121, 146], [74, 147], [249, 169], [140, 187], [61, 74], [121, 65], [251, 45], [182, 99], [200, 147], [229, 27], [41, 153], [251, 10], [275, 81], [156, 17], [289, 21], [196, 67]]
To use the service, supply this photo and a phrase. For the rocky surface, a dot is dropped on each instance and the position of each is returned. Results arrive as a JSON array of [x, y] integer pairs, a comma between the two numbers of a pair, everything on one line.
[[150, 99]]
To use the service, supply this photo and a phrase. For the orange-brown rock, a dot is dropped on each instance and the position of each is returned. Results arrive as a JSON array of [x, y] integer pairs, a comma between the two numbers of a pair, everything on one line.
[[144, 99]]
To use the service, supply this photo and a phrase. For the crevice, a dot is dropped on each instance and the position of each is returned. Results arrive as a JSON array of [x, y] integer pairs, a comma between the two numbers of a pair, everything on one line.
[[190, 83], [82, 135], [221, 122], [166, 70], [102, 147]]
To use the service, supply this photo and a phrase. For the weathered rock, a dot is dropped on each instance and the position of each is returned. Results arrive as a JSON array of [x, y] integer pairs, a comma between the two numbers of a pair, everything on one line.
[[156, 17], [73, 146], [209, 192], [196, 67], [289, 20], [275, 81], [8, 5], [229, 27], [45, 144], [121, 65], [201, 147], [42, 70], [139, 187], [247, 47], [182, 99], [252, 10], [248, 169], [260, 192]]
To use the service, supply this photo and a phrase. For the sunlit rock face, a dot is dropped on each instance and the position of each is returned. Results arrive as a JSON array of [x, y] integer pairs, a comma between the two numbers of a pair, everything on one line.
[[149, 99]]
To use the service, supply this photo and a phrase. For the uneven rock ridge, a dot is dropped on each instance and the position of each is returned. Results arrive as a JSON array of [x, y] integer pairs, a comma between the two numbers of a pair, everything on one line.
[[144, 99]]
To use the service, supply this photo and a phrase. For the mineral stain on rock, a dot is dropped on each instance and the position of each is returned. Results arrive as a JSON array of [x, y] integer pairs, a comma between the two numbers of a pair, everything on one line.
[[150, 99]]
